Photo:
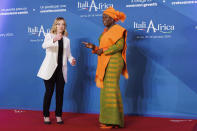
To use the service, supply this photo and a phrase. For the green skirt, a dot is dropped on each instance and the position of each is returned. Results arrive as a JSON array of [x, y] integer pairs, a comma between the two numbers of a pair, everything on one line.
[[111, 107]]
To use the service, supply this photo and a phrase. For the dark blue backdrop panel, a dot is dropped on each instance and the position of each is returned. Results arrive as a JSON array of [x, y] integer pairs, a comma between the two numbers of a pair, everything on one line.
[[161, 55]]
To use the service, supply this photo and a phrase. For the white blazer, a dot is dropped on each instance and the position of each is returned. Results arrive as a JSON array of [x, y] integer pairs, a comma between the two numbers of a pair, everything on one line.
[[50, 61]]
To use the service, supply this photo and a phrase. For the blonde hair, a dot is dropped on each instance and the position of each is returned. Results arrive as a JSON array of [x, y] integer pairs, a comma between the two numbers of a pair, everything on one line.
[[54, 26]]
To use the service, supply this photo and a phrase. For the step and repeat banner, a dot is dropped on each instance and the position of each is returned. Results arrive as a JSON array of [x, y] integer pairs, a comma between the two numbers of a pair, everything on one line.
[[161, 55]]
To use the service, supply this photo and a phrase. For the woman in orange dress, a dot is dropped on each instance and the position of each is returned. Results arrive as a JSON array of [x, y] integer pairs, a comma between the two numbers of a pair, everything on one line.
[[111, 63]]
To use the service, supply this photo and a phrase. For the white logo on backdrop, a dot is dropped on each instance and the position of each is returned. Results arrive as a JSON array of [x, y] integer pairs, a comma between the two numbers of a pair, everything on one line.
[[151, 27], [94, 6], [38, 32]]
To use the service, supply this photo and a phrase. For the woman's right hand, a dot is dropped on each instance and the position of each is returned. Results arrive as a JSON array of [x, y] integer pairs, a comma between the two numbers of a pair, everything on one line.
[[57, 37], [89, 45]]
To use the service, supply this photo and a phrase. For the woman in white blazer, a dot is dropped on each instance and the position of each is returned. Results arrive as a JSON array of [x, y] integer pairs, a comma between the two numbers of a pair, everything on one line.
[[54, 67]]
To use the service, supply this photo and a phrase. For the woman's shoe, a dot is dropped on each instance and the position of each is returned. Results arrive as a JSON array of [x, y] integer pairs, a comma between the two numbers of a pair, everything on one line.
[[59, 120], [108, 126], [102, 124], [47, 120]]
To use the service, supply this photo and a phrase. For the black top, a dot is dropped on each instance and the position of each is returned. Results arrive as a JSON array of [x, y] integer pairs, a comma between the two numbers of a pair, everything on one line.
[[60, 52]]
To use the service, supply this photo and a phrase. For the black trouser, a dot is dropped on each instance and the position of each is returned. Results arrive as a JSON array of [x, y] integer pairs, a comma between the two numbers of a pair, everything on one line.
[[58, 80]]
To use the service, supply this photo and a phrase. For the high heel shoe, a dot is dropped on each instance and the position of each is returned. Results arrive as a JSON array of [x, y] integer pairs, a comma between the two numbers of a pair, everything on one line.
[[47, 120], [59, 120]]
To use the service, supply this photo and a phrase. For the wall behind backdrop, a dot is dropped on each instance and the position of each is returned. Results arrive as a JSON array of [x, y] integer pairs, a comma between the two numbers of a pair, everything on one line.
[[161, 55]]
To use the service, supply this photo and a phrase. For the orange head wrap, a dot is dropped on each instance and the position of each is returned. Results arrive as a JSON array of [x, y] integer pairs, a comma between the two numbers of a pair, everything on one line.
[[116, 15]]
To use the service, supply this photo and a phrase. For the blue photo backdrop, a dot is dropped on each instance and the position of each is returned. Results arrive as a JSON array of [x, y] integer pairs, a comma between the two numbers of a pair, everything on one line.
[[161, 55]]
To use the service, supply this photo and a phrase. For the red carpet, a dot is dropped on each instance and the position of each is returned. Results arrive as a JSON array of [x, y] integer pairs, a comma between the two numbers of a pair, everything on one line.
[[15, 120]]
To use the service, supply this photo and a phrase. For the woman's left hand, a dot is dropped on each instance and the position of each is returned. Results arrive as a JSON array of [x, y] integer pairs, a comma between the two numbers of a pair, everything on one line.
[[73, 62], [89, 45]]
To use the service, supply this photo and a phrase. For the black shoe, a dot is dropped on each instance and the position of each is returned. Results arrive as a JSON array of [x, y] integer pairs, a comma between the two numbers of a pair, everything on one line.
[[47, 122], [60, 122]]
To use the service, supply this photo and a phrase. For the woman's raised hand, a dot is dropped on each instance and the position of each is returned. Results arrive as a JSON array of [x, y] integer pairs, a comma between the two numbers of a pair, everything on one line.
[[57, 37], [89, 45]]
